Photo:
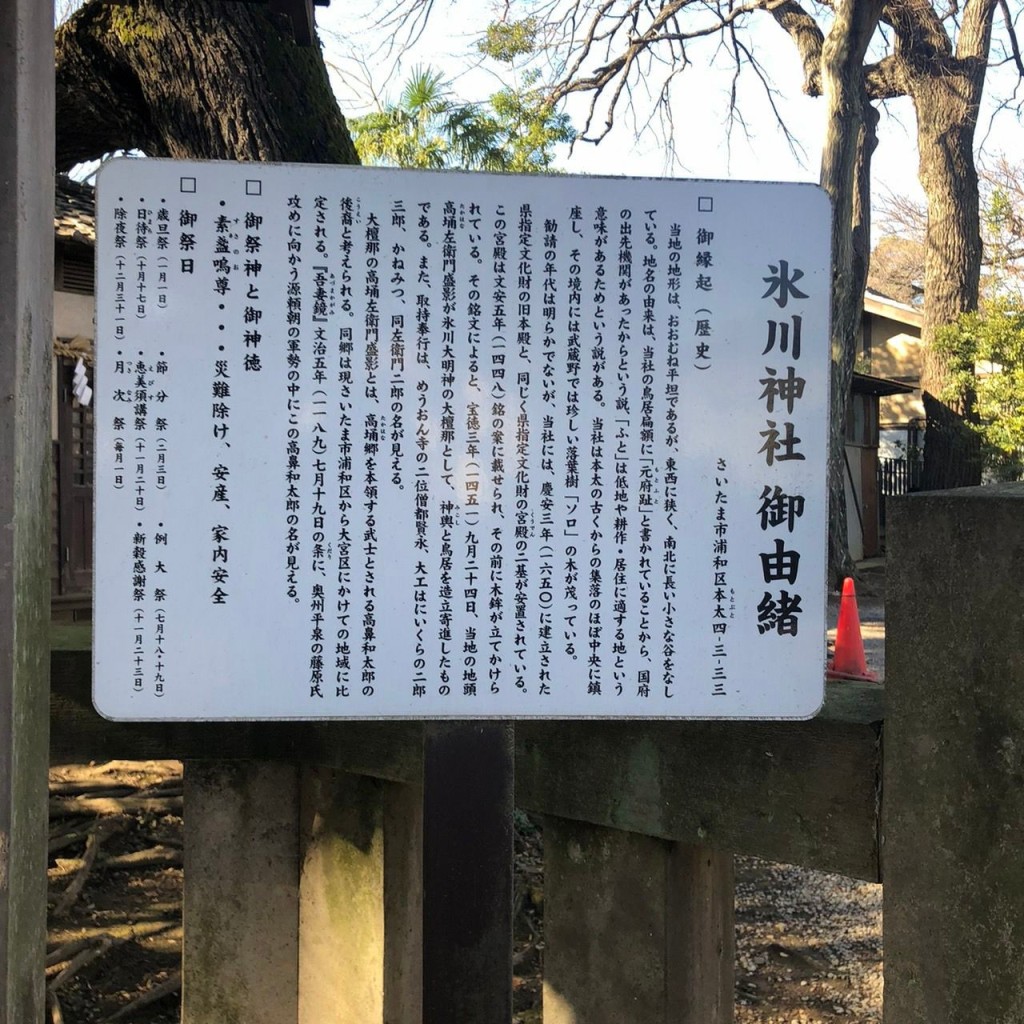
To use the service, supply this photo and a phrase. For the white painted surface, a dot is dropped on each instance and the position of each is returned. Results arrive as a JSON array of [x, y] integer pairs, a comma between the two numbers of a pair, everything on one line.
[[191, 627]]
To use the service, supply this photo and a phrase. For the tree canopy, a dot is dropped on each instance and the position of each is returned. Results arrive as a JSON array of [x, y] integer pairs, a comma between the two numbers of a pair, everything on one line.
[[514, 130], [989, 346]]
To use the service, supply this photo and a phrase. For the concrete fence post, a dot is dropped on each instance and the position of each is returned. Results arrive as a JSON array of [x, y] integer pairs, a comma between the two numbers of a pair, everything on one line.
[[341, 901], [303, 896], [636, 928], [953, 792], [241, 906], [26, 349], [360, 900]]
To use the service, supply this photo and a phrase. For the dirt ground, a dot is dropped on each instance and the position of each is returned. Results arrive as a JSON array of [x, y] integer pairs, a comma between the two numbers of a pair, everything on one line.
[[808, 945], [115, 884]]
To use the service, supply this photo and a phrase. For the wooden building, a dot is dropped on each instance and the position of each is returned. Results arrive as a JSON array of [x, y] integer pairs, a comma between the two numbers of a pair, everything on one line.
[[72, 421], [863, 492]]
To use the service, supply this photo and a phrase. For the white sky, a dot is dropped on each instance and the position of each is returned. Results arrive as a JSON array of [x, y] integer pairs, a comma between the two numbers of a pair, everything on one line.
[[699, 107]]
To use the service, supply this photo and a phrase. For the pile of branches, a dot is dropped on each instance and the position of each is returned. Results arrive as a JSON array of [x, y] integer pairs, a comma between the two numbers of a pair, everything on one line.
[[95, 811]]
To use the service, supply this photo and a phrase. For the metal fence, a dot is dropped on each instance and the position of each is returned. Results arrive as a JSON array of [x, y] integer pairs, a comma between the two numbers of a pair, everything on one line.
[[897, 477]]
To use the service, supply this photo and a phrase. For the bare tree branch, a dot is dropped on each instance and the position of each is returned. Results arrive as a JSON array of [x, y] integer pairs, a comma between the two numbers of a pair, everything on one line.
[[903, 216], [905, 221], [1011, 33], [620, 35]]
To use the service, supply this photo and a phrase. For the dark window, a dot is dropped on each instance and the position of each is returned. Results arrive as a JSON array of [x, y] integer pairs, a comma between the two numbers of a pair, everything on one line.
[[74, 482], [75, 269]]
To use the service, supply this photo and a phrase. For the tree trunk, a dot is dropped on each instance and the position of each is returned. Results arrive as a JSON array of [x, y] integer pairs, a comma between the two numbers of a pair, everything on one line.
[[845, 175], [946, 115], [946, 86], [204, 79]]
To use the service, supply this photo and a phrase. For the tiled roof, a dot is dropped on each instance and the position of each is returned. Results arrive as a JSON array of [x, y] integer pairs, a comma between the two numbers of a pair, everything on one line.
[[74, 211]]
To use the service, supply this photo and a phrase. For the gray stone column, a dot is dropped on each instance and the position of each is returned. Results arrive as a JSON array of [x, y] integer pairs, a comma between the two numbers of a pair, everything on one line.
[[953, 793], [26, 350], [341, 905], [636, 929], [303, 896], [240, 957], [361, 899]]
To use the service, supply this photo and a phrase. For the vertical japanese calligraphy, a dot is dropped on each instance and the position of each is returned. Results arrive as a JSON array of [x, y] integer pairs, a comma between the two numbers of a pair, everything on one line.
[[783, 394]]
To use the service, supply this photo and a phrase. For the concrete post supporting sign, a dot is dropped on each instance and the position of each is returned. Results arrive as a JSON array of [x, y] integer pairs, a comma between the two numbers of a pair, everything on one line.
[[360, 900], [241, 907], [403, 904], [26, 339], [637, 928], [341, 903], [953, 808], [303, 896]]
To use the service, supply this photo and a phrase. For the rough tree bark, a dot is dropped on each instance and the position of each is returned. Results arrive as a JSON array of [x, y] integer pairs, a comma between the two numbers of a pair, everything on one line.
[[945, 84], [845, 175], [835, 64], [206, 79]]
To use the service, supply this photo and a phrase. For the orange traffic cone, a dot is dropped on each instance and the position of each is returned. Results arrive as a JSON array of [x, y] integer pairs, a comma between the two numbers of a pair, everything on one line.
[[849, 661]]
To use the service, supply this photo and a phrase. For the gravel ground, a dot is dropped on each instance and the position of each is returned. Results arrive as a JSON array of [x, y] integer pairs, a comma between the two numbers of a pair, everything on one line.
[[808, 946]]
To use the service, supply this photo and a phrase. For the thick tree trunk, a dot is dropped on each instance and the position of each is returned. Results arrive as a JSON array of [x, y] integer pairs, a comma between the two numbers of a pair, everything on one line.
[[946, 117], [945, 84], [845, 175], [200, 79]]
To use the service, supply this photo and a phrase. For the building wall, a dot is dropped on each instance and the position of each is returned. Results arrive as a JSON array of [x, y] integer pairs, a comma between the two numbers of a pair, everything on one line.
[[74, 336], [894, 351], [74, 327], [73, 315]]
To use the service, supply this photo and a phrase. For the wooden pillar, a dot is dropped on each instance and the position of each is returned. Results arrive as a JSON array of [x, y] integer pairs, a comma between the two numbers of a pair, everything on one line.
[[241, 913], [953, 782], [636, 928], [468, 800], [26, 345], [403, 904]]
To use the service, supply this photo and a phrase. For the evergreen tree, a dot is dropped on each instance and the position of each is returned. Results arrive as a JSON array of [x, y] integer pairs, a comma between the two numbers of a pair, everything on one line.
[[515, 130]]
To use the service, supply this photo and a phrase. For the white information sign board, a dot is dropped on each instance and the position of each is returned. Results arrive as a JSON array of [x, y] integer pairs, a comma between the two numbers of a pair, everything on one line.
[[377, 443]]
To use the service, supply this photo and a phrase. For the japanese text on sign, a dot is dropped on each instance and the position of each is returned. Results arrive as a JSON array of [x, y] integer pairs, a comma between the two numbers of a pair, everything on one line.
[[408, 444]]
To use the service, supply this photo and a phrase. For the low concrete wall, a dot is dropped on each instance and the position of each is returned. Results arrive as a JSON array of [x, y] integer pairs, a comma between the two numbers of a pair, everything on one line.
[[953, 809]]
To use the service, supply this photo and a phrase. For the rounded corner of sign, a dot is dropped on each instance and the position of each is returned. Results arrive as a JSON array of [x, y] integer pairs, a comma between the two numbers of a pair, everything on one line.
[[822, 194], [109, 169], [819, 697], [111, 715]]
